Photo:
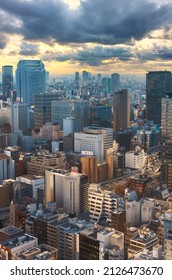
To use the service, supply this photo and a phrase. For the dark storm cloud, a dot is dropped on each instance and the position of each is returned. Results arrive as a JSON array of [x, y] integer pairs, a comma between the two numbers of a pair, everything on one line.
[[96, 56], [29, 49], [99, 21], [159, 53], [3, 41], [8, 23]]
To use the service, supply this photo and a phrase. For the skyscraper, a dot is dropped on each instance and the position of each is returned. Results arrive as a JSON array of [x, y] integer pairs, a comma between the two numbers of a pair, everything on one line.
[[115, 82], [121, 110], [94, 139], [30, 80], [43, 108], [68, 190], [166, 129], [7, 81], [77, 109], [20, 117], [158, 84]]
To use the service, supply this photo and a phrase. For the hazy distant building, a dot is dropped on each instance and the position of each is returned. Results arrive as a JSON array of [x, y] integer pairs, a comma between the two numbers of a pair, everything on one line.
[[115, 83], [30, 80], [99, 78], [158, 85], [106, 85], [76, 109], [7, 81], [20, 117], [85, 76], [121, 110]]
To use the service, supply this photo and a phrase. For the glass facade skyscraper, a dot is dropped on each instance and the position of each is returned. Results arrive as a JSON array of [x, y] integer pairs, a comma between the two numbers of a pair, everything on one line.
[[121, 110], [115, 84], [7, 81], [77, 109], [43, 108], [158, 85], [30, 80]]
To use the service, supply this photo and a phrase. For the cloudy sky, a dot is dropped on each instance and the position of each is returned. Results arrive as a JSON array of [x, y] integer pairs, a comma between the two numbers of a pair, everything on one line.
[[124, 36]]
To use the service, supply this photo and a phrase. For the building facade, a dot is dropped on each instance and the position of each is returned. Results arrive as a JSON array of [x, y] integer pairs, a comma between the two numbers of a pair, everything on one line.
[[30, 80], [121, 110], [7, 81], [158, 85]]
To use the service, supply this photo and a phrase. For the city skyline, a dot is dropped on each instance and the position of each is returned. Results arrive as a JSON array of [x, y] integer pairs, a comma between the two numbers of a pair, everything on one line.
[[70, 36]]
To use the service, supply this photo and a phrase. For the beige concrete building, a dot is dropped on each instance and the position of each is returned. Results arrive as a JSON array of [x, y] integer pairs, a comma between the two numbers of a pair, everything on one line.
[[40, 163]]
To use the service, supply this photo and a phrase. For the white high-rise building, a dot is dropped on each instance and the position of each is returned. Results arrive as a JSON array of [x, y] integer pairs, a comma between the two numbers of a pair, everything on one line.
[[64, 188], [94, 139], [135, 159], [89, 143], [36, 181], [20, 117]]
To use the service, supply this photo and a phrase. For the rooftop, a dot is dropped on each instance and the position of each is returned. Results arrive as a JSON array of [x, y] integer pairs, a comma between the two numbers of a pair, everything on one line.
[[11, 230], [3, 156], [17, 241]]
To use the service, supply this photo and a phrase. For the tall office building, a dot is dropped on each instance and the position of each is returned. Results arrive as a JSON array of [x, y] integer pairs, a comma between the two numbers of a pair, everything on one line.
[[77, 109], [166, 147], [43, 108], [7, 168], [66, 189], [158, 85], [121, 110], [71, 125], [95, 140], [107, 136], [7, 81], [30, 80], [101, 115], [99, 78], [90, 141], [89, 168], [115, 84], [85, 76], [20, 117], [106, 85]]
